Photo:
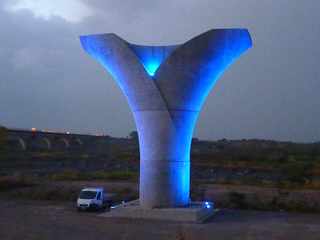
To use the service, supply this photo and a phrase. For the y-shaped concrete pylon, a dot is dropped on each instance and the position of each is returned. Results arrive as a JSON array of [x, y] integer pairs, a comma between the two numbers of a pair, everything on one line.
[[166, 87]]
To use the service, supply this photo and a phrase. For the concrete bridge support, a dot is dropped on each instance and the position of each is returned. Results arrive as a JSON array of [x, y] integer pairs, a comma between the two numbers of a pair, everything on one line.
[[165, 87]]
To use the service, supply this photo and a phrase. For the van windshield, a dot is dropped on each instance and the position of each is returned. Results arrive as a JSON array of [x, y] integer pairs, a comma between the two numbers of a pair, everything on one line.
[[87, 194]]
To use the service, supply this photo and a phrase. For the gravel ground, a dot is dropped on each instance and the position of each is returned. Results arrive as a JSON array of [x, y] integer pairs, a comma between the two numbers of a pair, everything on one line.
[[39, 220]]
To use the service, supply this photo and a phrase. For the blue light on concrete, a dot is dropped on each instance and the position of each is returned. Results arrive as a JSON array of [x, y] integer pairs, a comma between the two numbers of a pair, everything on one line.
[[151, 57], [151, 67], [166, 87], [216, 64]]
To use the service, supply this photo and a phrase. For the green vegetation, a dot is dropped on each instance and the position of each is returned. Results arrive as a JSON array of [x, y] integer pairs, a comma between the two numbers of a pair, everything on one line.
[[237, 200], [298, 164], [14, 182], [47, 191], [313, 184], [72, 175], [3, 140], [297, 172], [265, 165], [280, 201], [254, 153]]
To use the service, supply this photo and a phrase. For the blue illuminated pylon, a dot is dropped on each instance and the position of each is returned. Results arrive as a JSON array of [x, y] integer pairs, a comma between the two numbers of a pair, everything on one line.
[[166, 87]]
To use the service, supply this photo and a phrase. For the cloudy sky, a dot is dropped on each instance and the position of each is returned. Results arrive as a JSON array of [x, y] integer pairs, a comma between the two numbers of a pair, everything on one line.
[[271, 92]]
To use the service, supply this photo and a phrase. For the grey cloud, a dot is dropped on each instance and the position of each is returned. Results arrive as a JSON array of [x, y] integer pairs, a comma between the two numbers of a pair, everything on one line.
[[47, 81]]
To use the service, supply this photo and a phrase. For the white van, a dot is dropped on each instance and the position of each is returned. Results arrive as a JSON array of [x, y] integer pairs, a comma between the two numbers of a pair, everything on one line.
[[92, 199]]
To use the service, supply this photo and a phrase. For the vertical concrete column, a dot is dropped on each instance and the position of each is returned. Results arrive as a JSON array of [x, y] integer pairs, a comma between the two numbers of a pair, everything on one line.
[[165, 87], [165, 156]]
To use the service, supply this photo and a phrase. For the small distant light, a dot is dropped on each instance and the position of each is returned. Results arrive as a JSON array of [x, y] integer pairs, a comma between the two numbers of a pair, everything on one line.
[[33, 129], [67, 132]]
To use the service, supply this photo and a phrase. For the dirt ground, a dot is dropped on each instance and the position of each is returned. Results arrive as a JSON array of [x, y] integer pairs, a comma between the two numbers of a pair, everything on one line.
[[40, 220]]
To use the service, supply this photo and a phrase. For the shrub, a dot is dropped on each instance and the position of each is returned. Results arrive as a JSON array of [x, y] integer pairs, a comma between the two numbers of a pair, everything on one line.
[[72, 175], [238, 200], [67, 175], [47, 193], [297, 172], [119, 175], [14, 182], [3, 139]]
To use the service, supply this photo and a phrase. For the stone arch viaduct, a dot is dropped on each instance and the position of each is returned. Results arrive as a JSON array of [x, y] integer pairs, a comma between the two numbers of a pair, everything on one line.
[[36, 140]]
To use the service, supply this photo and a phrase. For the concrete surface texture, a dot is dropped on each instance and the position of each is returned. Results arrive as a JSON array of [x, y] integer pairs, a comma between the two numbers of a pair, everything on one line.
[[165, 87], [196, 212]]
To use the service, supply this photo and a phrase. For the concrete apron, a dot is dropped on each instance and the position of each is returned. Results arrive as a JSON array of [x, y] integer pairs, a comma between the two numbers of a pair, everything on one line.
[[196, 212]]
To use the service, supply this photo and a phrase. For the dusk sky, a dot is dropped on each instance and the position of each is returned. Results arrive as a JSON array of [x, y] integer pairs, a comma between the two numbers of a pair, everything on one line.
[[48, 82]]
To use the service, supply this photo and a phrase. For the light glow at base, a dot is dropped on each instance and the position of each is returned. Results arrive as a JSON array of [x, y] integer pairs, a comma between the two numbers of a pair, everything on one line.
[[207, 205]]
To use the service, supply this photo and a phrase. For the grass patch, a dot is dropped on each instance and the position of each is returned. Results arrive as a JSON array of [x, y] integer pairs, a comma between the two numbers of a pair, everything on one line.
[[47, 193], [52, 192], [13, 182], [305, 184], [72, 175]]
